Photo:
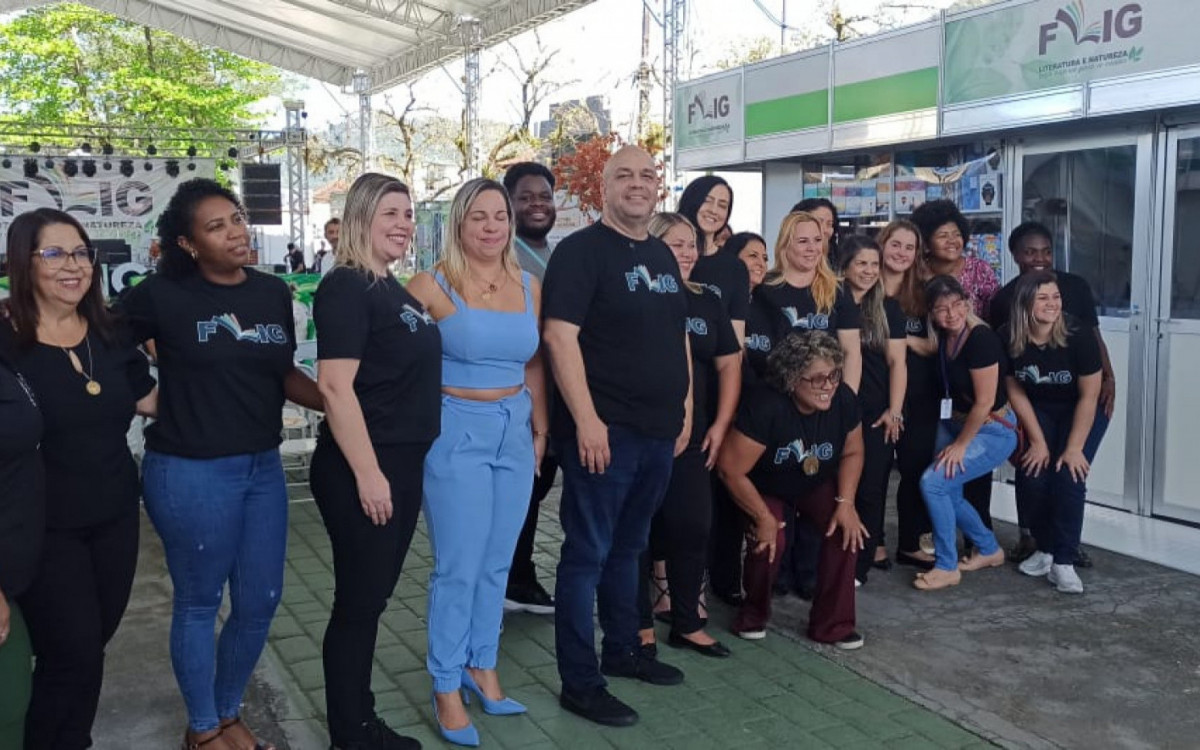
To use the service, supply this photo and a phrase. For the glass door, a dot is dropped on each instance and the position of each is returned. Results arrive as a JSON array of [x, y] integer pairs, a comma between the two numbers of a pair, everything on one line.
[[1177, 335], [1094, 195]]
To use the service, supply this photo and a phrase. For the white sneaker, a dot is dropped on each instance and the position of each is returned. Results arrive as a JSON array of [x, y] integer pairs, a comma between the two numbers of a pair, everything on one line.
[[1065, 579], [751, 635], [1038, 564]]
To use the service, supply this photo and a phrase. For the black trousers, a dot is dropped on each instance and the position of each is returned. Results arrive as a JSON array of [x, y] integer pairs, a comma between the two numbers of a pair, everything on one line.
[[366, 565], [914, 453], [871, 499], [728, 531], [679, 537], [72, 609], [523, 572]]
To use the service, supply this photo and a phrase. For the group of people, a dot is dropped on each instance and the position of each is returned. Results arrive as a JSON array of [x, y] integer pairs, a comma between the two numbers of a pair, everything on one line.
[[718, 427]]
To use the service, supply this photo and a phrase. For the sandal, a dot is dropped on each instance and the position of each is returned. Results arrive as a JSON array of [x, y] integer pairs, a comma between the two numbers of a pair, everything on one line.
[[662, 595], [979, 562], [925, 582], [195, 744], [237, 721]]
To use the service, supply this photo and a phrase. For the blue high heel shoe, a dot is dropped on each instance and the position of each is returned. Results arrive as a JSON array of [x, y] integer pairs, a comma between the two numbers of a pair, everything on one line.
[[467, 736], [503, 707]]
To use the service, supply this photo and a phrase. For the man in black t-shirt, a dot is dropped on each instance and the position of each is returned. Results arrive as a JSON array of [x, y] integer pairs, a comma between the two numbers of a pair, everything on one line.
[[531, 187], [615, 326], [1032, 247], [295, 258]]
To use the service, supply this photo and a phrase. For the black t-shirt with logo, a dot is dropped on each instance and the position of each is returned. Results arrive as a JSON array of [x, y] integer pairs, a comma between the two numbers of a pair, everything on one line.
[[711, 335], [760, 337], [1077, 300], [769, 418], [627, 298], [924, 381], [223, 352], [1050, 375], [91, 477], [399, 349], [726, 276], [796, 310], [981, 349], [874, 393], [22, 508]]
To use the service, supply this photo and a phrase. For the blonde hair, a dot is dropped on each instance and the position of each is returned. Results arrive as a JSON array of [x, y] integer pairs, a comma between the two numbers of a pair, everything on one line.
[[362, 201], [663, 222], [454, 264], [910, 295], [825, 284], [1020, 325]]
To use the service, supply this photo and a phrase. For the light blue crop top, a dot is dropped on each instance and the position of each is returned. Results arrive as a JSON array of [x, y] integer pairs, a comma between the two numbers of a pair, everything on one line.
[[486, 348]]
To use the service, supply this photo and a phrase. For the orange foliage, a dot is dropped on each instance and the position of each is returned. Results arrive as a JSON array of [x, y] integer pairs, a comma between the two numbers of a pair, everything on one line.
[[581, 173]]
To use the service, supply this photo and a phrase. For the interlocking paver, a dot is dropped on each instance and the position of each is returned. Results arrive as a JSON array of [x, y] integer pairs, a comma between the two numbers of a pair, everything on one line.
[[770, 693]]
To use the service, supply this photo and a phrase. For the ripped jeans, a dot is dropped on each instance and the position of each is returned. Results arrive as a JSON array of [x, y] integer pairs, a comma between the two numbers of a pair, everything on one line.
[[222, 520]]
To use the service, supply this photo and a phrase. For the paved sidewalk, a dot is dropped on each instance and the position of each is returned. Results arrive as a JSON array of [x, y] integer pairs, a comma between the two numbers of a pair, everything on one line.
[[773, 693]]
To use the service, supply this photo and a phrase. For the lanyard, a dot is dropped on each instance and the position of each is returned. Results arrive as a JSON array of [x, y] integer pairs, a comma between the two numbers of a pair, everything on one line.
[[531, 253], [944, 357]]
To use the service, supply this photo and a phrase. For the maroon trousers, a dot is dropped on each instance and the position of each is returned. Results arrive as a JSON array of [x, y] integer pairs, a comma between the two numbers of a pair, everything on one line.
[[832, 615]]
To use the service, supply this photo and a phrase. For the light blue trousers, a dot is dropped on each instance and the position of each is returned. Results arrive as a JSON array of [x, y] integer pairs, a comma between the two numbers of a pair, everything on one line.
[[478, 477]]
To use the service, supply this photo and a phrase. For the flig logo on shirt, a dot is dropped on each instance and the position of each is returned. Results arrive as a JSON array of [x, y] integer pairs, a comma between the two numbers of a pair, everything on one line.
[[261, 333], [1031, 374], [758, 342], [795, 450], [698, 326], [412, 316], [811, 321], [661, 284]]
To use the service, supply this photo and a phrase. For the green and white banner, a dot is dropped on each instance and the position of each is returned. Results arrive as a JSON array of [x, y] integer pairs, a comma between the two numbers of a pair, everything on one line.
[[709, 112], [1031, 46]]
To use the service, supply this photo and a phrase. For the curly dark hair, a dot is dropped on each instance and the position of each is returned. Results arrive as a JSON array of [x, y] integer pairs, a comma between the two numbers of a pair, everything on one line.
[[796, 353], [693, 198], [526, 169], [931, 216], [24, 235], [1028, 229], [176, 221]]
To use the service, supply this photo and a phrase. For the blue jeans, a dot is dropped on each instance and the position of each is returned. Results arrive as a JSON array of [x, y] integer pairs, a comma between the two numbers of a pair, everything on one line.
[[606, 525], [221, 520], [478, 479], [948, 509], [1052, 502]]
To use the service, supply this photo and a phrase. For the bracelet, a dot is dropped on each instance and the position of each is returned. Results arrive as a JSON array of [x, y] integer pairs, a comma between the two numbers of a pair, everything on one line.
[[839, 499], [539, 433]]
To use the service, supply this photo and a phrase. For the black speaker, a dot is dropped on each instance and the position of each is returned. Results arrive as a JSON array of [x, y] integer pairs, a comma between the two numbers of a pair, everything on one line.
[[262, 193]]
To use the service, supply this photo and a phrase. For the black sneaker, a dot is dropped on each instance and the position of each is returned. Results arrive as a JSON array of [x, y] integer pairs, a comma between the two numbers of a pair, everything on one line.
[[1082, 558], [600, 706], [850, 642], [528, 597], [379, 736], [638, 666]]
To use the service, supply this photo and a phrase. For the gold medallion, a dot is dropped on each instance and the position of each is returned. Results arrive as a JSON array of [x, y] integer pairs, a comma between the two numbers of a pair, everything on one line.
[[811, 464], [93, 388]]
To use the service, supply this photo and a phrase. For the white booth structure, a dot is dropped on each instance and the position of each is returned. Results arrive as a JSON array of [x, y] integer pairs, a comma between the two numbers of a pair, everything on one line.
[[1082, 114]]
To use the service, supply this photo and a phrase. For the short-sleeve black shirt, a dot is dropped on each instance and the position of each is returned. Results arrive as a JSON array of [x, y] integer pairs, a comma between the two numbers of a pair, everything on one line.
[[874, 393], [1050, 375], [982, 349], [399, 349], [796, 310], [769, 418], [627, 298], [1077, 299], [223, 353], [22, 508], [726, 276], [761, 325], [91, 477], [711, 335]]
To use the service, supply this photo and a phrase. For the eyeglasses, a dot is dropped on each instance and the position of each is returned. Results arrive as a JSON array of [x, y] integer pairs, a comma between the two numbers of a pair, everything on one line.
[[56, 257], [948, 308], [833, 377]]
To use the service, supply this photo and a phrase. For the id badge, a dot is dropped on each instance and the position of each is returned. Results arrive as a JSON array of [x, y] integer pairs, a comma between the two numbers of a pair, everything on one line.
[[947, 408]]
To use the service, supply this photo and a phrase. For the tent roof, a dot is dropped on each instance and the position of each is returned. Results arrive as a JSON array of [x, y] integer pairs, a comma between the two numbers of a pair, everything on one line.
[[391, 40]]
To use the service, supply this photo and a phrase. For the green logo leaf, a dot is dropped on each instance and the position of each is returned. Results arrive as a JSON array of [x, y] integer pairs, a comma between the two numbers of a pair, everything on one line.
[[1135, 54]]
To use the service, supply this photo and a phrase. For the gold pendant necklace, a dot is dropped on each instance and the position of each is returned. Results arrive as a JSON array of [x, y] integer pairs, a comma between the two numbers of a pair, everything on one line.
[[490, 288], [92, 387]]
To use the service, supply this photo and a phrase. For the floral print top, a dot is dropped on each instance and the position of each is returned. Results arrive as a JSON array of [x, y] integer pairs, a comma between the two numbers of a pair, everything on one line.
[[980, 283]]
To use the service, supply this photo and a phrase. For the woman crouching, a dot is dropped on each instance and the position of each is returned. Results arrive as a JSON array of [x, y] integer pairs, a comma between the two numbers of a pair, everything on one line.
[[796, 449]]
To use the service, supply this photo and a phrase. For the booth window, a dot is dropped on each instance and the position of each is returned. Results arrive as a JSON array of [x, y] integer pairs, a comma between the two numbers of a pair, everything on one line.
[[860, 187], [1185, 266]]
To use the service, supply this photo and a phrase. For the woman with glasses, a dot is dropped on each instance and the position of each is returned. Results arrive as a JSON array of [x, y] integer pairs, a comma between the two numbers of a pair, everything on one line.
[[214, 482], [89, 379], [977, 432], [1054, 384], [796, 450]]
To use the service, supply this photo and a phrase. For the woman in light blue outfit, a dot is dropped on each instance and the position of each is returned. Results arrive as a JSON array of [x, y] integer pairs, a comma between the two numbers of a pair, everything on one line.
[[479, 472], [976, 434]]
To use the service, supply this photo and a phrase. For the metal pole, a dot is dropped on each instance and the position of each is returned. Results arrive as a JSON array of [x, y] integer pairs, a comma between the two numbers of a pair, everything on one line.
[[472, 39], [297, 169], [362, 87], [674, 16]]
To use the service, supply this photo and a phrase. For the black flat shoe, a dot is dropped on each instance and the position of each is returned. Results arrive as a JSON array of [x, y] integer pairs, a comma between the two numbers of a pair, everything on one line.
[[884, 564], [716, 650], [903, 558]]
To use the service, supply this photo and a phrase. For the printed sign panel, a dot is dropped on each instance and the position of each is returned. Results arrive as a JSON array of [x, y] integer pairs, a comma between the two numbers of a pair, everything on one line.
[[1050, 43], [709, 112], [121, 202]]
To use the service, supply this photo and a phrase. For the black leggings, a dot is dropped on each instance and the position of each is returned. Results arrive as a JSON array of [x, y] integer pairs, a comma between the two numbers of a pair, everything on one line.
[[679, 536], [72, 609], [523, 572], [725, 542], [914, 453], [871, 499], [366, 565]]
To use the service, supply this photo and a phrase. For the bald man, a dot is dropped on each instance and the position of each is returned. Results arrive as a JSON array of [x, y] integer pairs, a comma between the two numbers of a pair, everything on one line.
[[615, 326]]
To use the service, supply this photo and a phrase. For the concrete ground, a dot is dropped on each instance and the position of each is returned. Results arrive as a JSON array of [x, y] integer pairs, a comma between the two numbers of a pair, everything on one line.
[[1000, 659]]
